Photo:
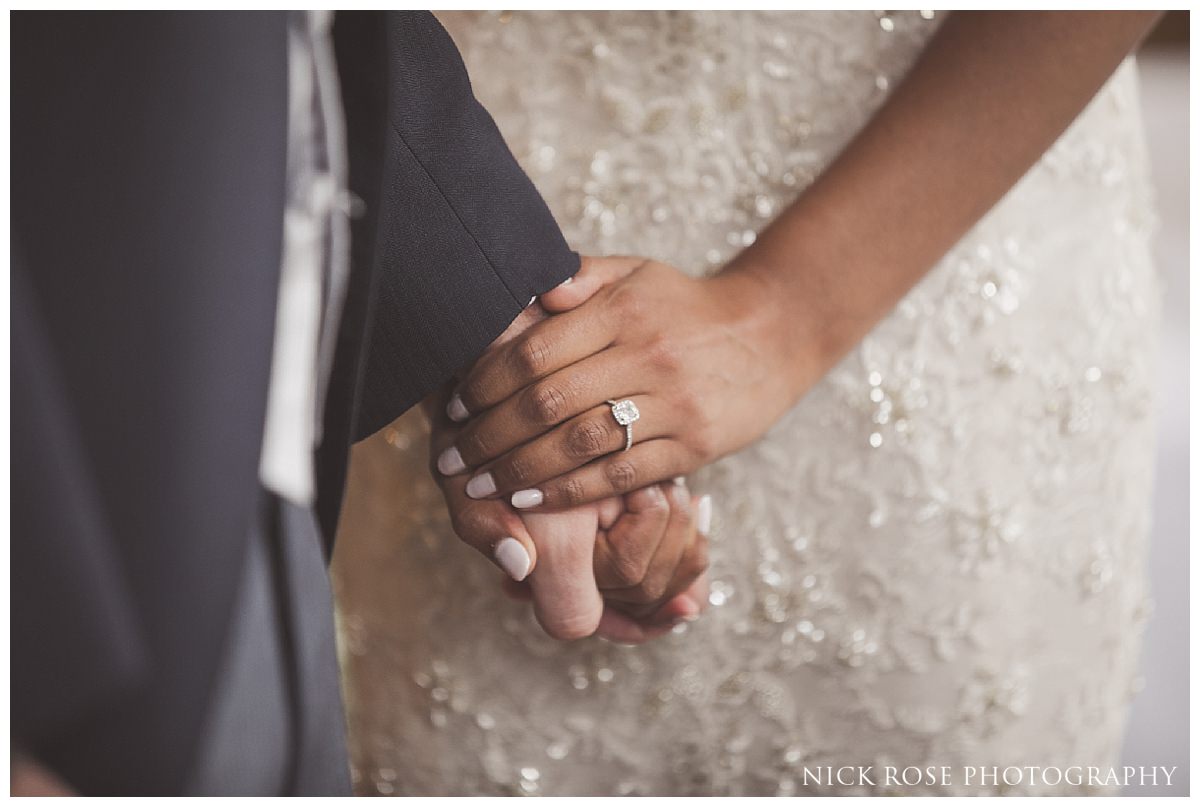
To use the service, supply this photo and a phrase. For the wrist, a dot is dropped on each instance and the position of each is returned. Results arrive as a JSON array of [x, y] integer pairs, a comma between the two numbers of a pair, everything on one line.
[[768, 312]]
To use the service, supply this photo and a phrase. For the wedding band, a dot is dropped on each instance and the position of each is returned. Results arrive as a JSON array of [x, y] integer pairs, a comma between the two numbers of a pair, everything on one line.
[[625, 412]]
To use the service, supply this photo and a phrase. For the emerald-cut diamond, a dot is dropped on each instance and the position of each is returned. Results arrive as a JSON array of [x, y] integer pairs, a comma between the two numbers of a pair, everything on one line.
[[625, 412]]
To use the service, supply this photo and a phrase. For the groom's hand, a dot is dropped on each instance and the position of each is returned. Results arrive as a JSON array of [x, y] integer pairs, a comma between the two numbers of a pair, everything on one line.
[[649, 554]]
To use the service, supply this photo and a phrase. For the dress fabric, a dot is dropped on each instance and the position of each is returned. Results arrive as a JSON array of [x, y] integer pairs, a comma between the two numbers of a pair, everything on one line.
[[936, 558]]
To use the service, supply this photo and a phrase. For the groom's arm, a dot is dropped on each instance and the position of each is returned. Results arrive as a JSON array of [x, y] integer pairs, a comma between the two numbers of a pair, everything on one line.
[[457, 238]]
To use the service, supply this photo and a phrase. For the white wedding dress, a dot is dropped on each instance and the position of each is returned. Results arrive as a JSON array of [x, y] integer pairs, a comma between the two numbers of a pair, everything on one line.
[[936, 558]]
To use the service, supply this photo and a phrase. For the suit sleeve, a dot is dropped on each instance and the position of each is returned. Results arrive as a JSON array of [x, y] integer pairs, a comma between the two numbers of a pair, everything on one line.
[[462, 239]]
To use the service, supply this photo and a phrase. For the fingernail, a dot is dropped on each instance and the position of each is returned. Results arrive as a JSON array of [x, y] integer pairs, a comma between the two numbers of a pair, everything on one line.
[[480, 486], [456, 409], [704, 514], [527, 498], [513, 558], [680, 480], [451, 462], [566, 282], [683, 499]]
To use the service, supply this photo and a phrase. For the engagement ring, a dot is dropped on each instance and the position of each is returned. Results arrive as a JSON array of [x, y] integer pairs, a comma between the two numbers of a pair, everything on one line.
[[625, 412]]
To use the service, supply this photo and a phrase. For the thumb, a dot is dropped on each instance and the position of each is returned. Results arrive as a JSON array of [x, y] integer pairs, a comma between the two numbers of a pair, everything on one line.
[[593, 275], [566, 601]]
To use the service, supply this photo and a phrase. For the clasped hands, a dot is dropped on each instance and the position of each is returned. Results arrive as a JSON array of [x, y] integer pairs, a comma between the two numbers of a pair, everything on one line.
[[531, 460]]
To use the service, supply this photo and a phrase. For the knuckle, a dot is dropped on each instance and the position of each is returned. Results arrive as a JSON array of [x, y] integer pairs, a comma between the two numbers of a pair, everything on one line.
[[472, 394], [627, 571], [587, 439], [567, 628], [621, 475], [517, 469], [626, 303], [532, 356], [477, 386], [704, 442], [664, 353], [572, 492], [546, 404], [471, 524], [475, 445], [652, 589], [691, 404]]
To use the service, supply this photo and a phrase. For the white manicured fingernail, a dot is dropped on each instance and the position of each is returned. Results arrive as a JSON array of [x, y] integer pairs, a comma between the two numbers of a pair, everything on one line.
[[683, 499], [523, 499], [567, 282], [704, 514], [456, 409], [480, 486], [513, 558], [680, 480], [451, 462]]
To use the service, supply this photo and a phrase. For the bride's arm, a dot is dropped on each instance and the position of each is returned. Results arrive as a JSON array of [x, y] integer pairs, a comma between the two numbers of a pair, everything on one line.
[[713, 363], [990, 94]]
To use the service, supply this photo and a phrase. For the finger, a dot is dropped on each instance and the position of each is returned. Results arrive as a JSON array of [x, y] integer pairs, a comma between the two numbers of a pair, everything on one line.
[[688, 589], [491, 526], [581, 440], [543, 349], [498, 533], [622, 555], [693, 563], [690, 567], [609, 510], [434, 405], [594, 273], [650, 592], [442, 430], [618, 626], [616, 473], [566, 601], [687, 606], [624, 629], [697, 592], [529, 316], [544, 404]]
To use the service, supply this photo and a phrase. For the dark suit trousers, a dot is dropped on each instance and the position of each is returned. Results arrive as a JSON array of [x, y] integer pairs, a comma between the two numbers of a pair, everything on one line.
[[275, 725]]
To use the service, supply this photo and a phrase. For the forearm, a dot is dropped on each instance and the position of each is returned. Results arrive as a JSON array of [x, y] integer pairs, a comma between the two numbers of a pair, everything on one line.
[[989, 95]]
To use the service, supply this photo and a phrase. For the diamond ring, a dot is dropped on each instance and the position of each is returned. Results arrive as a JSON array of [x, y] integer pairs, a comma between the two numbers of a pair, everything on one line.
[[625, 412]]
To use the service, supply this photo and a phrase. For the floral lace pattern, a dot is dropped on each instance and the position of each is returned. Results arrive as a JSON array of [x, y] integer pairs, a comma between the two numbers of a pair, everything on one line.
[[936, 558]]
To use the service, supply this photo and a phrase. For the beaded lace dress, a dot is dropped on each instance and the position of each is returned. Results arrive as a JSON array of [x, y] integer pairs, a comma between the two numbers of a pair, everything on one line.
[[935, 559]]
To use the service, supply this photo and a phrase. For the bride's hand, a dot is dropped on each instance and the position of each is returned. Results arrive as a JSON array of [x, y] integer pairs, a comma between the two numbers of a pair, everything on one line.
[[707, 363], [627, 570]]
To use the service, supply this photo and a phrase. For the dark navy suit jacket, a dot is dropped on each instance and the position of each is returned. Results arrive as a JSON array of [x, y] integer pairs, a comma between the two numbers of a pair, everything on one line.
[[148, 157]]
